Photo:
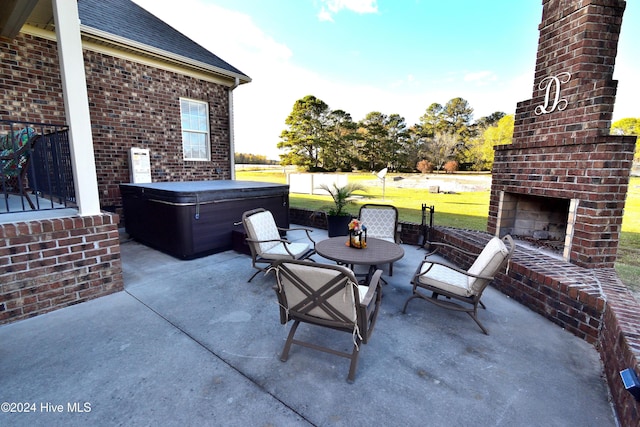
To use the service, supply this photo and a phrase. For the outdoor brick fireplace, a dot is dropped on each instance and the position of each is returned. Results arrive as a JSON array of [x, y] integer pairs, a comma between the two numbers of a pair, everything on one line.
[[564, 179], [563, 182]]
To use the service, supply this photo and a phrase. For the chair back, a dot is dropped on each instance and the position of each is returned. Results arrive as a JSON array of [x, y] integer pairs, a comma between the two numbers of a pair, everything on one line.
[[317, 293], [260, 225], [492, 258], [15, 150], [381, 220]]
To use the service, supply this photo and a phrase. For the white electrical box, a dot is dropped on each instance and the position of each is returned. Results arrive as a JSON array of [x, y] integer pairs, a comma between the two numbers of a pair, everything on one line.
[[139, 165]]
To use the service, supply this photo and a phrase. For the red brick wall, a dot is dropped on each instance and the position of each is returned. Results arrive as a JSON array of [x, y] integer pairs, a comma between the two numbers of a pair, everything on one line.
[[131, 105], [596, 173], [53, 263], [134, 105], [30, 85]]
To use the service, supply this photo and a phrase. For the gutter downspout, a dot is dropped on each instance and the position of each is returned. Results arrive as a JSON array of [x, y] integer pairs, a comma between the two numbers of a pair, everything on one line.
[[232, 148]]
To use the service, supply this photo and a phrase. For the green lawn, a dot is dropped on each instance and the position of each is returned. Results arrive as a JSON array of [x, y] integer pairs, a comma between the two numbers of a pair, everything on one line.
[[628, 264], [465, 210]]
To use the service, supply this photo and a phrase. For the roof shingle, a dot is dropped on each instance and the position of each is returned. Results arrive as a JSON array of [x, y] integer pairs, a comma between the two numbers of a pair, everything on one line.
[[126, 19]]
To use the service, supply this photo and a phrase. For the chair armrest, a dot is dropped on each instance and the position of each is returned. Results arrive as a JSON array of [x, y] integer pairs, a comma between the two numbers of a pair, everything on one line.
[[306, 230], [284, 242], [369, 307], [295, 229], [265, 241], [446, 245], [374, 283], [449, 266]]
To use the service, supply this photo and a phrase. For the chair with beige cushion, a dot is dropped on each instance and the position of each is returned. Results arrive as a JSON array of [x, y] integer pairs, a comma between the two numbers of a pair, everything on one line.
[[382, 223], [328, 296], [266, 243], [462, 289]]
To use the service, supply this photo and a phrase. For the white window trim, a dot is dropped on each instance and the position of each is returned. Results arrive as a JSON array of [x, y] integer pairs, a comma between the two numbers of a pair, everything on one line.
[[207, 133]]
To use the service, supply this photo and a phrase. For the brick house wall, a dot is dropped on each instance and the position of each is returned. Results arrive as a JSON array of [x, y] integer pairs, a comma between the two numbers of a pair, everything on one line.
[[30, 85], [50, 264], [131, 105], [135, 105]]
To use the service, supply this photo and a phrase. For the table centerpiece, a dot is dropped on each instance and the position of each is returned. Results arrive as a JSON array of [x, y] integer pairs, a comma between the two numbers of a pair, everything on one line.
[[357, 234]]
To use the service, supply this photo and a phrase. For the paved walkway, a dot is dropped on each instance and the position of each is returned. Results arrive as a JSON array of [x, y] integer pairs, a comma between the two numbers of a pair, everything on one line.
[[192, 343]]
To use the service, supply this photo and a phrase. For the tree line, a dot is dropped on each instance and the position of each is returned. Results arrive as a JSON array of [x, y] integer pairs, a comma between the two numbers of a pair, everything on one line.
[[252, 159], [628, 126], [445, 138]]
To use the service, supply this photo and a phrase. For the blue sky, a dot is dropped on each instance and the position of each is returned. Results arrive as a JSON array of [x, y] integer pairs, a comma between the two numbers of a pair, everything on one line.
[[392, 56]]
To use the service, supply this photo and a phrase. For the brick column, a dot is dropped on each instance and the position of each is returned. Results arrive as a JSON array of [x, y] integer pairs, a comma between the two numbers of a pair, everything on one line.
[[561, 144]]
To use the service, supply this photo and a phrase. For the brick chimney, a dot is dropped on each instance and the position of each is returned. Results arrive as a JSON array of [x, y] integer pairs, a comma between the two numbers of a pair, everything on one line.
[[564, 177]]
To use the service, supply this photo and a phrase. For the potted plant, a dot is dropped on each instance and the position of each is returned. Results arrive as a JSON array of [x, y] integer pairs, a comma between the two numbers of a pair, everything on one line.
[[337, 218]]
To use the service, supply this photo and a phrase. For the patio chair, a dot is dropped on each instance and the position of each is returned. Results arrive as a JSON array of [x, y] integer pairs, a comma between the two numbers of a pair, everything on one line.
[[381, 222], [15, 153], [328, 296], [267, 245], [462, 289]]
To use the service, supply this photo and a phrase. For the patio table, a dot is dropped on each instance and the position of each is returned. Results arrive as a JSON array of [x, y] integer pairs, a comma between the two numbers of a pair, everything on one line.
[[376, 253]]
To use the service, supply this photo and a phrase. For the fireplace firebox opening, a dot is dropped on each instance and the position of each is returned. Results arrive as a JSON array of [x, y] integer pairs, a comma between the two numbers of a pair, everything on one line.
[[542, 221]]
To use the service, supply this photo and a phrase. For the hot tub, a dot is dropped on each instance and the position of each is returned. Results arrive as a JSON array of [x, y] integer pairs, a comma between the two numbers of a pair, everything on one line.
[[196, 218]]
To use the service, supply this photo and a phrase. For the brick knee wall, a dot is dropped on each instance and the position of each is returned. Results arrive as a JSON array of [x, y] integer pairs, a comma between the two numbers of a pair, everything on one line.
[[53, 263], [592, 304], [620, 343]]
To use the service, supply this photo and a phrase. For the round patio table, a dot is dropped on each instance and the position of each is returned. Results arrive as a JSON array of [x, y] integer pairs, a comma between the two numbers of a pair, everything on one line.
[[377, 252]]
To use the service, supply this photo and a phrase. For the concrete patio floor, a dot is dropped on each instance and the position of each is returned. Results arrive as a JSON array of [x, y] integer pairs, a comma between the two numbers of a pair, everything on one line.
[[192, 343]]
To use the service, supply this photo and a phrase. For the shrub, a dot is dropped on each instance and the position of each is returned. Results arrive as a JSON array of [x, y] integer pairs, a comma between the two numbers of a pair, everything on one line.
[[424, 166], [451, 166]]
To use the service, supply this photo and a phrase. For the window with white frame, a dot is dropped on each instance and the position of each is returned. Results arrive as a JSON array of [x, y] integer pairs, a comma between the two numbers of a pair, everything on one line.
[[194, 116]]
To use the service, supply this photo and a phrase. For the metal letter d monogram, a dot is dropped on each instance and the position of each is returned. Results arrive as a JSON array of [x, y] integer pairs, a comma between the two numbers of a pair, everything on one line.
[[547, 84]]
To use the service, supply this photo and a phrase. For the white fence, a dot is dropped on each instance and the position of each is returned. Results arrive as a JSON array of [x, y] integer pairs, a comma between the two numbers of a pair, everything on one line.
[[308, 183]]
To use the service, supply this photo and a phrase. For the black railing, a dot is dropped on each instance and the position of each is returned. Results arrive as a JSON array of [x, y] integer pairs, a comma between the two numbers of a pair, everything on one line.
[[36, 167]]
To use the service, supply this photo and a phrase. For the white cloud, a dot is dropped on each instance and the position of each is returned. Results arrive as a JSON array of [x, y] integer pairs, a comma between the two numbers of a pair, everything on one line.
[[325, 15], [231, 35], [261, 107], [481, 78], [626, 96], [408, 81], [335, 6], [358, 6]]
